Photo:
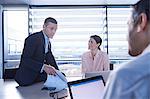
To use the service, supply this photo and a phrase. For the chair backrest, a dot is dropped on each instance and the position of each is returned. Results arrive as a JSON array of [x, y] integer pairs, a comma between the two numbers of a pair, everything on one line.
[[9, 73], [105, 74], [111, 66]]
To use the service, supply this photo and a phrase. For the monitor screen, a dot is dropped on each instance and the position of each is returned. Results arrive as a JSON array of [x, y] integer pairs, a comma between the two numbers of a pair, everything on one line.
[[87, 89]]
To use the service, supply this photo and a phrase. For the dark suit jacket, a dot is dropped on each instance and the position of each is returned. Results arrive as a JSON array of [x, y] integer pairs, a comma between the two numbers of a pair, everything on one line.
[[32, 60]]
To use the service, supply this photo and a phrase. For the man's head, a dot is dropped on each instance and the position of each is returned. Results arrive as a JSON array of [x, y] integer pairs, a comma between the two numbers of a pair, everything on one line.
[[139, 28], [50, 27]]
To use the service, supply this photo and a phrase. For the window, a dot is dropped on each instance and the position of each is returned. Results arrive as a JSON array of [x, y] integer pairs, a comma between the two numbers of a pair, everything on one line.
[[1, 53], [117, 33], [75, 26], [15, 32]]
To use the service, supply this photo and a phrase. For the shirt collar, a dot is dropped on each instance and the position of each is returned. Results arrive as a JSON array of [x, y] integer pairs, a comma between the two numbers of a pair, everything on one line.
[[45, 37], [146, 50]]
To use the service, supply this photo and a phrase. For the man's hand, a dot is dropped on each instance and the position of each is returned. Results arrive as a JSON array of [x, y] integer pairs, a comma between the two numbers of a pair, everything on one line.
[[50, 70]]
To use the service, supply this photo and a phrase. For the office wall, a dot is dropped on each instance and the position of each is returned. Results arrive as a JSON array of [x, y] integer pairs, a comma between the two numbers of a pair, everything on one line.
[[1, 68]]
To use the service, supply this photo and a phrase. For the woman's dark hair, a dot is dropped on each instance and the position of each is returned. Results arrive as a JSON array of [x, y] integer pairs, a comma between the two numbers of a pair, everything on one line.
[[97, 39]]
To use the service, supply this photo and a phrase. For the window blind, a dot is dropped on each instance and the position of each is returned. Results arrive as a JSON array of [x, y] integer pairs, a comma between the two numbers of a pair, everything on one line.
[[117, 32], [75, 26]]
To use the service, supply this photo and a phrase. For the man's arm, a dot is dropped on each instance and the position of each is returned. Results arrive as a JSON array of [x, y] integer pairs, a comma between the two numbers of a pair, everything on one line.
[[27, 59], [51, 60]]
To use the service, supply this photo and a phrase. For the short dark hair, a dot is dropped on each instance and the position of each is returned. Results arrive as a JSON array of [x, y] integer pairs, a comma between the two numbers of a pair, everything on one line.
[[142, 6], [50, 19], [97, 39]]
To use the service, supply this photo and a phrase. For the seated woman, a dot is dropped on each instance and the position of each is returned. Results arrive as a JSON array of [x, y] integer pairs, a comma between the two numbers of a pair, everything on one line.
[[95, 60]]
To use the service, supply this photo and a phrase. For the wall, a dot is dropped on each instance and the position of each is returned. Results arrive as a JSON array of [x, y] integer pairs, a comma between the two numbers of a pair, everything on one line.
[[67, 2], [1, 66]]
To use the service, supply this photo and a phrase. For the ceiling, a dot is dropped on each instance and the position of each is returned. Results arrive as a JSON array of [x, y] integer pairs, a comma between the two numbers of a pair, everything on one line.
[[67, 2]]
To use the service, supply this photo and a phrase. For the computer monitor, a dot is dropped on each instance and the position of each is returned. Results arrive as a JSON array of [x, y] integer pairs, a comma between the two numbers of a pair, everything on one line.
[[87, 88], [105, 74]]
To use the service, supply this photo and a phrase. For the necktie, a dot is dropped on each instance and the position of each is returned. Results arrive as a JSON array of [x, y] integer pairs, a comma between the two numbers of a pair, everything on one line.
[[47, 53], [49, 46]]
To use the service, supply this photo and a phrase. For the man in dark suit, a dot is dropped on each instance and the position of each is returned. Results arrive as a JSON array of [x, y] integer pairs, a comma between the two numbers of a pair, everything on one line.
[[37, 60]]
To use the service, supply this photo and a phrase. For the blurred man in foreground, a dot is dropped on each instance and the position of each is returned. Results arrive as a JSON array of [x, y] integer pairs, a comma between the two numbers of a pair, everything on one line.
[[132, 80]]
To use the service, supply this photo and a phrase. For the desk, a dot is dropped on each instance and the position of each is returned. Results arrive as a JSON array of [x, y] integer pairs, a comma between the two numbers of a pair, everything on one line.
[[9, 89]]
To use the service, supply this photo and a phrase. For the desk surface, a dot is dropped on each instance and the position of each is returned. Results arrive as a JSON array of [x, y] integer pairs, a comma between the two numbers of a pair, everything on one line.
[[9, 89]]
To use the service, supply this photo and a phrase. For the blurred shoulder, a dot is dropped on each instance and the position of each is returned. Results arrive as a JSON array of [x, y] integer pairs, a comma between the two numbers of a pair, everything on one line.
[[102, 53], [133, 70], [87, 53]]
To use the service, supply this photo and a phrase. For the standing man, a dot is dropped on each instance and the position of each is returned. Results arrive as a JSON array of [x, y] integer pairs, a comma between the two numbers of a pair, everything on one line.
[[37, 59], [132, 81]]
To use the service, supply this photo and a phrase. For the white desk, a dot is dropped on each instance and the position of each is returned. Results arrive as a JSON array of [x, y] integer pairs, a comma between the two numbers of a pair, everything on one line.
[[9, 89]]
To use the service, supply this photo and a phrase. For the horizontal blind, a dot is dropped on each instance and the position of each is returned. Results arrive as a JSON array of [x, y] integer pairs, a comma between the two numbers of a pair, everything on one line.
[[75, 26], [117, 33]]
